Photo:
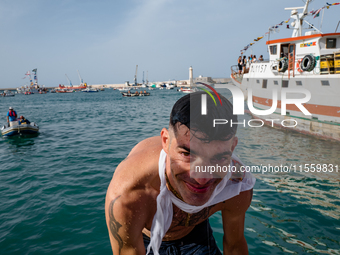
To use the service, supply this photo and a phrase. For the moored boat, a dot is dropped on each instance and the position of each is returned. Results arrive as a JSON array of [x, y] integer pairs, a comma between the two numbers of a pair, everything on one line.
[[187, 90], [7, 93], [297, 67], [65, 90], [80, 87], [33, 88], [127, 94], [89, 90]]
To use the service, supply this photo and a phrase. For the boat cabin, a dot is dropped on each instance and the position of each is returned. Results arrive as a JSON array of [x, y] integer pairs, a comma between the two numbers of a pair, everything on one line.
[[323, 47]]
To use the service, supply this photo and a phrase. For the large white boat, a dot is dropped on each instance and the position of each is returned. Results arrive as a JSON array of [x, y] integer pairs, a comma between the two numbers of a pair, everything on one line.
[[310, 62]]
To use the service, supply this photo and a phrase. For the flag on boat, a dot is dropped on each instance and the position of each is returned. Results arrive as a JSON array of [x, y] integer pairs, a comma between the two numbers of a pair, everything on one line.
[[317, 13], [332, 4], [258, 38], [27, 74], [275, 28]]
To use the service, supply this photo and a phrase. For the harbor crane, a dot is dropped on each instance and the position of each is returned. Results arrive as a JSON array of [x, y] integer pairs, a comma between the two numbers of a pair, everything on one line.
[[135, 80], [81, 79], [68, 80]]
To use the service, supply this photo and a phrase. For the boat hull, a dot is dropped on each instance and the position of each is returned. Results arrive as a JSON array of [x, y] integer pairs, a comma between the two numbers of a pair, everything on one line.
[[25, 129], [324, 105], [318, 129]]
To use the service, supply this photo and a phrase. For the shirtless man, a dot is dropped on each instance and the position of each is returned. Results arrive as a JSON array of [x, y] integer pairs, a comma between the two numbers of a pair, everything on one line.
[[133, 211]]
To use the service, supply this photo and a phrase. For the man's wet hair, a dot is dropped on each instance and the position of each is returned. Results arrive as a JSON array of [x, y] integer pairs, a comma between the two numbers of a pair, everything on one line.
[[187, 111]]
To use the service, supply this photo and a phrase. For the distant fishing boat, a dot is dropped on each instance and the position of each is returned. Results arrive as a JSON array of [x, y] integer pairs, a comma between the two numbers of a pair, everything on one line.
[[124, 89], [33, 88], [127, 94], [7, 93], [65, 90], [187, 90], [90, 90], [71, 87], [310, 62]]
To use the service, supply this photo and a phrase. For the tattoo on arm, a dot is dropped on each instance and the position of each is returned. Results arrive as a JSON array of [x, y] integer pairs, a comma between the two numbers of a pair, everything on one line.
[[115, 225]]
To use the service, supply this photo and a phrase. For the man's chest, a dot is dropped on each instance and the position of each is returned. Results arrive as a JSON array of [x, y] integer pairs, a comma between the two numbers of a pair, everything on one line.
[[184, 219]]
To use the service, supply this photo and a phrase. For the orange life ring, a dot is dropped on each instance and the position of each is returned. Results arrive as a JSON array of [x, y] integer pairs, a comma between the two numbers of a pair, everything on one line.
[[298, 65]]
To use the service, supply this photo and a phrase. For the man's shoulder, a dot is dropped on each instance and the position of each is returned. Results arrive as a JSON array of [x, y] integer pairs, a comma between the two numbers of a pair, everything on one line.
[[138, 173], [143, 158], [148, 145]]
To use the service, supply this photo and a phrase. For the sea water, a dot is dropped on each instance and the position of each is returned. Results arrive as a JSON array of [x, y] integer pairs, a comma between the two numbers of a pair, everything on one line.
[[53, 186]]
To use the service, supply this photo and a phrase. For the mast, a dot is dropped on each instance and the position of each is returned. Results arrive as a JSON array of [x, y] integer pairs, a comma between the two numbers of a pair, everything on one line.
[[34, 71], [298, 18], [31, 82]]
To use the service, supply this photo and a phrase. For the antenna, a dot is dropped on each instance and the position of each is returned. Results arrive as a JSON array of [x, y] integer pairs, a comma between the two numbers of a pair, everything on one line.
[[323, 12], [337, 26]]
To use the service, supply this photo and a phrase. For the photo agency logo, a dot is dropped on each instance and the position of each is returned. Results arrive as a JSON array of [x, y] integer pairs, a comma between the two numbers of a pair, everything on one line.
[[289, 96]]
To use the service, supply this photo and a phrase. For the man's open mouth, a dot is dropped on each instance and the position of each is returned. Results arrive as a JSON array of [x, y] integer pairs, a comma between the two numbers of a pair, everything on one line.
[[197, 188]]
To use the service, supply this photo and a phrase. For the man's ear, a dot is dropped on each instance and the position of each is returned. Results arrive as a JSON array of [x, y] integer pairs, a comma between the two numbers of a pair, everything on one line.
[[235, 141], [165, 136]]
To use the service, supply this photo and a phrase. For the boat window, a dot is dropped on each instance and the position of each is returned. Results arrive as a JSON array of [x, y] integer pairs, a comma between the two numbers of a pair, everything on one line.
[[273, 49], [325, 83], [257, 81], [299, 83], [284, 84], [264, 83], [331, 43], [276, 83]]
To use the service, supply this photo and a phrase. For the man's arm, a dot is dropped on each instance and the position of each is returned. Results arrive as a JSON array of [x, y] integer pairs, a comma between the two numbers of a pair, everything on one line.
[[233, 215], [125, 222]]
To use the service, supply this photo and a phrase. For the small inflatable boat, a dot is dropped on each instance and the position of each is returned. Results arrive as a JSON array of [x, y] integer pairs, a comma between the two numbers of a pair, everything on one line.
[[20, 129]]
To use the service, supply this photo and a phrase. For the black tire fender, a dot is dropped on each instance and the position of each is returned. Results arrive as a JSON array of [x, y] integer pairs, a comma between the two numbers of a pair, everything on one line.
[[283, 65], [308, 63]]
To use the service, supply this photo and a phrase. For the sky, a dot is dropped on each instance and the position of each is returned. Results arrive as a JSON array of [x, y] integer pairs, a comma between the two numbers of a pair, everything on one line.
[[106, 39]]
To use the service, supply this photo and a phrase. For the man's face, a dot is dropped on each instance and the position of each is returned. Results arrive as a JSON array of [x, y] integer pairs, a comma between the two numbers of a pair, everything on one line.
[[186, 151]]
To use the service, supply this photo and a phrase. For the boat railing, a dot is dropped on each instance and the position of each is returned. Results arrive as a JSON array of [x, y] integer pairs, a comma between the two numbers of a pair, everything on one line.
[[235, 74]]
